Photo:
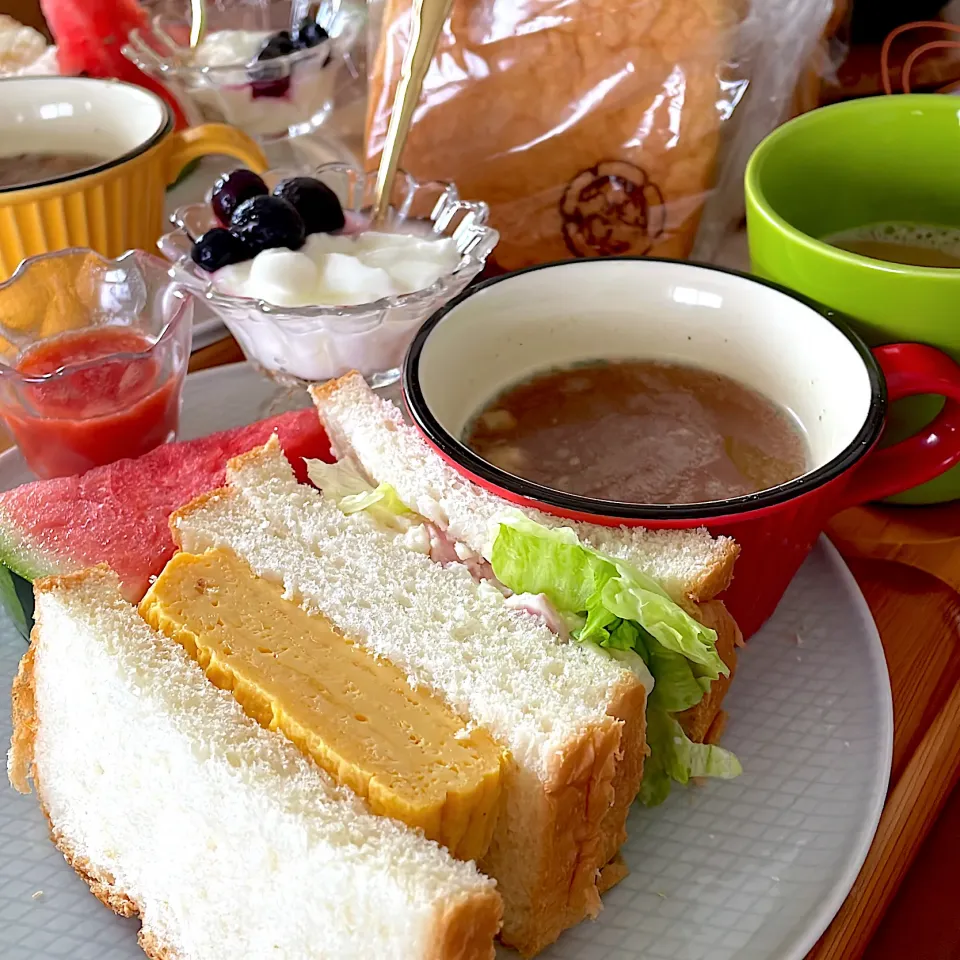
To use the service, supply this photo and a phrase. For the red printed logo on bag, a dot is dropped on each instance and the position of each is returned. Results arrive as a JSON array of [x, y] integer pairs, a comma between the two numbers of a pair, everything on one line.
[[612, 209]]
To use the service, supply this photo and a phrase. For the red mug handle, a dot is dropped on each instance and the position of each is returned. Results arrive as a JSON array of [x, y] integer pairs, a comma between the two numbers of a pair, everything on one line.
[[911, 369]]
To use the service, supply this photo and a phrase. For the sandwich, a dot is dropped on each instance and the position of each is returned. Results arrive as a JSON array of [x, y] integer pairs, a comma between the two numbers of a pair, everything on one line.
[[175, 805], [568, 719], [364, 561], [651, 593], [488, 702]]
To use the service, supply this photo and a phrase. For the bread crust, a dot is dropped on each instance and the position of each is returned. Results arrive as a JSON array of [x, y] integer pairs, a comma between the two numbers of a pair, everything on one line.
[[698, 721], [461, 930], [546, 852], [464, 930], [628, 704], [717, 576]]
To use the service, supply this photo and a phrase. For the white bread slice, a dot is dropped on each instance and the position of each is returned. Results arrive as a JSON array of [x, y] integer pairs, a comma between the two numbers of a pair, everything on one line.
[[571, 717], [689, 564], [176, 806]]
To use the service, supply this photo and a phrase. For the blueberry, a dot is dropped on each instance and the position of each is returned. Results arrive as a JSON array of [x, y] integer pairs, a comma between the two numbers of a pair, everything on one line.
[[219, 248], [232, 189], [308, 33], [266, 222], [316, 203], [272, 81], [276, 45]]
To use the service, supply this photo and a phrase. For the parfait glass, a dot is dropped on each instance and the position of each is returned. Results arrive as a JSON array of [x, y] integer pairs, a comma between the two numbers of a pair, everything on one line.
[[93, 353], [298, 345], [223, 82]]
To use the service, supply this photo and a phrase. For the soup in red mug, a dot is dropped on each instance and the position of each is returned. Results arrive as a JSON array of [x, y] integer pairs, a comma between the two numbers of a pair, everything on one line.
[[682, 434], [795, 354]]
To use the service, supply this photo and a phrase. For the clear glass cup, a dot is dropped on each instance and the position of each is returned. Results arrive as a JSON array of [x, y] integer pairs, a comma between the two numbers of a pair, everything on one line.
[[93, 353], [310, 344], [283, 97]]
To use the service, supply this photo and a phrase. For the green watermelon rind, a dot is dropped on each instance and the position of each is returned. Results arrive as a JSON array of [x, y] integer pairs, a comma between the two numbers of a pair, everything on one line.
[[16, 554], [19, 567]]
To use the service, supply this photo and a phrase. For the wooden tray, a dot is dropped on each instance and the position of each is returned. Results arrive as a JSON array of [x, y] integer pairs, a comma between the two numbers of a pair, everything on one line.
[[907, 562]]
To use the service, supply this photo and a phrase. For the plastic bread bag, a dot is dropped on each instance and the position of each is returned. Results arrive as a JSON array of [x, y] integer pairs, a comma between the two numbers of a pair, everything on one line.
[[783, 46], [592, 128]]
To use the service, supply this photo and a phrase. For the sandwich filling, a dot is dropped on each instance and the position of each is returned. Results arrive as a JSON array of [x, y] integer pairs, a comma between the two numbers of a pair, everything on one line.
[[401, 748], [582, 594]]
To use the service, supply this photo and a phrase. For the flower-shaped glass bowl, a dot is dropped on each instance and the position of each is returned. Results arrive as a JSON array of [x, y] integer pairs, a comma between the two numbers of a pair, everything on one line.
[[93, 353], [285, 96], [318, 343]]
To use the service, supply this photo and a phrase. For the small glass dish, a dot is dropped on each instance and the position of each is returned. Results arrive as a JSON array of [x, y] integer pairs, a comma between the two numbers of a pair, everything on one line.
[[311, 344], [283, 97], [93, 353]]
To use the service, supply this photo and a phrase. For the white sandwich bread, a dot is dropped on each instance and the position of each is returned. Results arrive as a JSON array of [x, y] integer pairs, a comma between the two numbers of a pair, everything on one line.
[[570, 715], [688, 564], [223, 838]]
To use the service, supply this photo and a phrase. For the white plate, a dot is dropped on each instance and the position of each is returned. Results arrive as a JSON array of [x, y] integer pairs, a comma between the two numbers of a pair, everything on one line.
[[752, 869]]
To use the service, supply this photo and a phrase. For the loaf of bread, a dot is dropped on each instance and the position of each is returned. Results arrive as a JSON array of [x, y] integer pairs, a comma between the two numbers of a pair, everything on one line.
[[590, 129]]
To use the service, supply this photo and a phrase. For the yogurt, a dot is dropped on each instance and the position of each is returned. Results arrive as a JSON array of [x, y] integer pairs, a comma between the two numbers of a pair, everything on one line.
[[228, 48], [341, 269], [220, 85], [24, 51]]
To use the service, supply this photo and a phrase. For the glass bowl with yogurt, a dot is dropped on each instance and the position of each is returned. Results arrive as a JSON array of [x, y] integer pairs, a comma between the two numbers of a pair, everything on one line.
[[347, 298], [264, 67]]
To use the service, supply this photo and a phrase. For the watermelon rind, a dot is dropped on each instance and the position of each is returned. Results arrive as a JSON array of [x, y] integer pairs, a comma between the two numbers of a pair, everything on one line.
[[19, 567], [19, 555]]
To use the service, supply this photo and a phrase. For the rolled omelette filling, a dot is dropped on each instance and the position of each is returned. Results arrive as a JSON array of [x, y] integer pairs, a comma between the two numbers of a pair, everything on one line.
[[402, 749]]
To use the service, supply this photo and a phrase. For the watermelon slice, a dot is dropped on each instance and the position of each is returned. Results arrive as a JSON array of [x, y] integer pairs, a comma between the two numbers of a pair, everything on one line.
[[90, 35], [117, 514]]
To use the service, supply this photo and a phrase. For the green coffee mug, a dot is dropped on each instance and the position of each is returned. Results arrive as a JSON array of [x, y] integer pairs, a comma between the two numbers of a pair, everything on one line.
[[881, 159]]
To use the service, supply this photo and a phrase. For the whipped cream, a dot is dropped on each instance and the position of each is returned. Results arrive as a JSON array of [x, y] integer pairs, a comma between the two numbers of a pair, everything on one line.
[[341, 269]]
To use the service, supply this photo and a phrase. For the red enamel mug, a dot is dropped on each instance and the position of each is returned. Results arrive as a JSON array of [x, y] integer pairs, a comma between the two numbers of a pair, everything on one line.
[[793, 351]]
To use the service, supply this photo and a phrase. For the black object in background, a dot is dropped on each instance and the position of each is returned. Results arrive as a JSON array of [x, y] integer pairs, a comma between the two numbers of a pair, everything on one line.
[[873, 19]]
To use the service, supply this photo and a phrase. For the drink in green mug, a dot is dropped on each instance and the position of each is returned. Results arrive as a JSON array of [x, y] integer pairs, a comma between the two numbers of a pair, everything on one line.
[[879, 176]]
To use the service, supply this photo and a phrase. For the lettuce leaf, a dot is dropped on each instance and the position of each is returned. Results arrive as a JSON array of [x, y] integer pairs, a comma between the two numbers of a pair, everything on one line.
[[345, 483], [674, 757], [337, 480], [624, 610]]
